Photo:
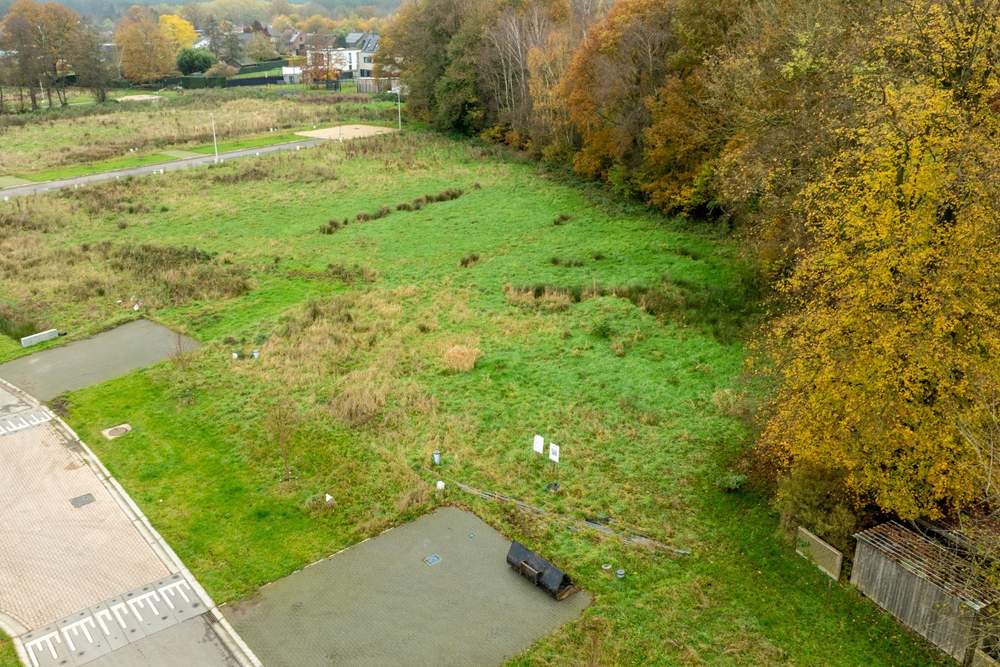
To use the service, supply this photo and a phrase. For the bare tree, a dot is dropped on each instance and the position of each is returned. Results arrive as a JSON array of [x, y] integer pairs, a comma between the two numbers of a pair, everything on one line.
[[281, 423]]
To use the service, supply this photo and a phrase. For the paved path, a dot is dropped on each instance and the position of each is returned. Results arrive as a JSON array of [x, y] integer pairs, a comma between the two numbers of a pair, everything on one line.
[[108, 355], [84, 577], [176, 165]]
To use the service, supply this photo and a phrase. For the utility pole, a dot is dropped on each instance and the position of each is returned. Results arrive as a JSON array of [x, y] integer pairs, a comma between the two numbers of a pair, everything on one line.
[[215, 141]]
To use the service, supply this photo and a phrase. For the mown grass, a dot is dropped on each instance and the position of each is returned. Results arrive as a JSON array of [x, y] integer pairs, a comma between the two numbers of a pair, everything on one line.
[[357, 330]]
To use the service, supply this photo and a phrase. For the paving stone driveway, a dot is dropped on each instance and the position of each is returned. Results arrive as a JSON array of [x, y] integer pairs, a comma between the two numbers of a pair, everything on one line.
[[84, 579]]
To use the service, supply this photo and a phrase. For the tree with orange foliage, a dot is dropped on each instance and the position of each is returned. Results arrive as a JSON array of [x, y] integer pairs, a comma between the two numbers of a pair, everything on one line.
[[144, 51]]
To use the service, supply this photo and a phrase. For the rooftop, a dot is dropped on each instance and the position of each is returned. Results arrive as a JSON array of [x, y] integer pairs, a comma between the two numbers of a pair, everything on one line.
[[931, 562]]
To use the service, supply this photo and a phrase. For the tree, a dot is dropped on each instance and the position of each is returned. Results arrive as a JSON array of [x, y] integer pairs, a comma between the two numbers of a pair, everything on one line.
[[260, 48], [94, 67], [145, 52], [896, 308], [41, 35], [190, 61], [213, 32], [231, 48], [281, 423], [178, 31]]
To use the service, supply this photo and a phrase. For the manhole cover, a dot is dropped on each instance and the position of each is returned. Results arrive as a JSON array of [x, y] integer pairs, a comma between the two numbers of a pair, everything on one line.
[[433, 559], [80, 501], [116, 431]]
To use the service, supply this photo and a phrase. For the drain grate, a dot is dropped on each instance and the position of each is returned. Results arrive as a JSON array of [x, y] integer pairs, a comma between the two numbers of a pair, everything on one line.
[[80, 501]]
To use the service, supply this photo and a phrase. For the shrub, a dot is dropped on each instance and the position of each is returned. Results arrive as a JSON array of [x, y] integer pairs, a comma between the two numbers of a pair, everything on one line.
[[815, 497], [16, 324], [731, 482], [350, 274], [222, 69], [602, 329], [562, 219], [461, 358], [190, 61], [543, 298], [469, 260]]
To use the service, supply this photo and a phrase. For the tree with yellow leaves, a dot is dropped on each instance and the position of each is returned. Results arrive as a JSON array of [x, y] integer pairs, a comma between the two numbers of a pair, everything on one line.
[[896, 312], [178, 31]]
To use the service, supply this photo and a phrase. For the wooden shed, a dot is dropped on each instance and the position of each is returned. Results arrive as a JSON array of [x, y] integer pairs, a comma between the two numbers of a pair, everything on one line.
[[927, 587]]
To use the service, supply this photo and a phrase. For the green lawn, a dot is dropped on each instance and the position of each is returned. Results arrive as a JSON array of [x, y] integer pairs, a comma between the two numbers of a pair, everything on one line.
[[356, 331], [8, 657], [276, 71]]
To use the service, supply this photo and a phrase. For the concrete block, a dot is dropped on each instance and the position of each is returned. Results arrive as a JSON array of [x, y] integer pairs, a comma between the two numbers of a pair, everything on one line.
[[41, 337], [825, 557]]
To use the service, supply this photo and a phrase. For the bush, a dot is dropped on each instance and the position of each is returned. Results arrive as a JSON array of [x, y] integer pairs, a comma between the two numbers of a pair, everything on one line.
[[602, 329], [15, 324], [190, 61], [731, 482], [221, 70], [816, 498]]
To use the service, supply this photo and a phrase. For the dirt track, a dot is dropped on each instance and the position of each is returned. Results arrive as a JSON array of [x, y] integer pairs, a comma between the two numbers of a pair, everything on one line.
[[347, 132]]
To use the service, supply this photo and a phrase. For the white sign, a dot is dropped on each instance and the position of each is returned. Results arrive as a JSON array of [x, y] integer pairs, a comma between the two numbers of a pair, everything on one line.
[[539, 444], [554, 452]]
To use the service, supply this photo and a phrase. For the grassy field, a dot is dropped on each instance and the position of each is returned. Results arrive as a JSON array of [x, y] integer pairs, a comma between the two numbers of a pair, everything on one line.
[[70, 171], [36, 146], [8, 657], [505, 303]]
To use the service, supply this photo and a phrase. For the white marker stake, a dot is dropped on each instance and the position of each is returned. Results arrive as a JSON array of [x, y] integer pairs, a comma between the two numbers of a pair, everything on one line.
[[539, 444], [553, 452]]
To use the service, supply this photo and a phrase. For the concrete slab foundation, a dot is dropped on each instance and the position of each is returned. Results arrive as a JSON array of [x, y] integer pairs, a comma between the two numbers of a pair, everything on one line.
[[103, 357], [389, 601]]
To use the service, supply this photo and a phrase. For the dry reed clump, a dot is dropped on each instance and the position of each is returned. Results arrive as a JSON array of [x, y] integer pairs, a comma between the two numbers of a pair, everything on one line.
[[361, 396], [17, 321], [333, 225], [352, 274], [382, 212], [461, 358], [251, 171], [128, 196], [32, 215], [548, 299]]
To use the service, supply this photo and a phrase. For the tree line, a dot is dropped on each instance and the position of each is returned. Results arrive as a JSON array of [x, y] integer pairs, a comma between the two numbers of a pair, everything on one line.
[[45, 45], [852, 145]]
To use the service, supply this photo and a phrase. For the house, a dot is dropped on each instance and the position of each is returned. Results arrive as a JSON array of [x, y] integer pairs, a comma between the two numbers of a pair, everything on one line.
[[368, 45], [356, 60]]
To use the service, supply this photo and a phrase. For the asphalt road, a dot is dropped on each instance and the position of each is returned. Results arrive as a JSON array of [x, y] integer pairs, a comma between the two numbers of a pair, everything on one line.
[[176, 165]]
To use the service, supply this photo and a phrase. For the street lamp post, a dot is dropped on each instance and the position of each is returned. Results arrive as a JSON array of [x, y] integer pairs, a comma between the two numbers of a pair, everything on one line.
[[215, 141]]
